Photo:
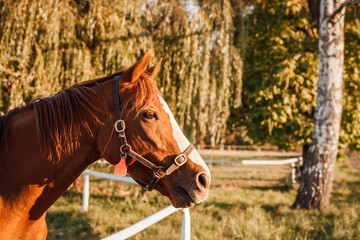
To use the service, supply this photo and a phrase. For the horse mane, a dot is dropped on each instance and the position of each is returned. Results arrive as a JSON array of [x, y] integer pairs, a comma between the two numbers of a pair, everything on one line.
[[3, 148], [59, 118]]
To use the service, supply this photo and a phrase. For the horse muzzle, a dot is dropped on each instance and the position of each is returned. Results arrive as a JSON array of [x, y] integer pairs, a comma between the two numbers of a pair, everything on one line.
[[188, 196]]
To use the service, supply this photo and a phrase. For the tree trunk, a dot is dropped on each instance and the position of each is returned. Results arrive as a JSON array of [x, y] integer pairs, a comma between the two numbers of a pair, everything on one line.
[[317, 174], [314, 9]]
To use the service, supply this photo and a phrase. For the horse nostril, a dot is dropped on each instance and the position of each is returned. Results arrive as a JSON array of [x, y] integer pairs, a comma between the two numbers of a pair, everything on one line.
[[202, 180]]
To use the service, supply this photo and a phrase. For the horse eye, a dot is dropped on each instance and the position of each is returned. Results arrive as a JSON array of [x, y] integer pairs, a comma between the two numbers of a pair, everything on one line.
[[150, 115]]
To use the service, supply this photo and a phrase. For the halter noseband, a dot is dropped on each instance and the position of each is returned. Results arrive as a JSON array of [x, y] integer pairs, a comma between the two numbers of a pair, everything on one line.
[[125, 149]]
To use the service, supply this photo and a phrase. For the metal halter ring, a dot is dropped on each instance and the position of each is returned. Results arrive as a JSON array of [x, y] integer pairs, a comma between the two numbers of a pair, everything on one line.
[[180, 160], [120, 123]]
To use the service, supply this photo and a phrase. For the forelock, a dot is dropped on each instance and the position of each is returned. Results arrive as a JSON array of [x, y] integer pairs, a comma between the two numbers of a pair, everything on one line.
[[142, 92]]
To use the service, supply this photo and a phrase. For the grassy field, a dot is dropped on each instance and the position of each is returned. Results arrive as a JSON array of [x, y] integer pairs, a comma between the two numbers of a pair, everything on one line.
[[244, 203]]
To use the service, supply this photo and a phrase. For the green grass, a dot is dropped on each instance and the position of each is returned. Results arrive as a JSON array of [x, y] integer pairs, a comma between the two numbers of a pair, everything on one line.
[[244, 203]]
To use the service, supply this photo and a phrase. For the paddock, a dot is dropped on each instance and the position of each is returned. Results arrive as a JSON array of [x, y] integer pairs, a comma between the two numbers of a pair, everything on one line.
[[290, 178], [245, 202]]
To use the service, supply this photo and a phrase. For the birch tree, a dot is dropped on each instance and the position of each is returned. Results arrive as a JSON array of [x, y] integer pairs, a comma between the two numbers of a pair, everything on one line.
[[318, 172]]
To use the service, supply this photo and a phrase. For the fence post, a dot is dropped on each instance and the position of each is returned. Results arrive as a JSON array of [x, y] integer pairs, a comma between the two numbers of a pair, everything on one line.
[[86, 193], [185, 228], [293, 172], [301, 161]]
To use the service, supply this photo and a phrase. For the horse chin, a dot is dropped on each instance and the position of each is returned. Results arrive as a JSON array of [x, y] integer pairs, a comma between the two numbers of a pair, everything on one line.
[[179, 198], [180, 202]]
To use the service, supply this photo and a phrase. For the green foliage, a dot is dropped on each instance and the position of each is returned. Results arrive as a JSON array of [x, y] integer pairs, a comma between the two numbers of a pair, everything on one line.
[[350, 124], [280, 74], [46, 46]]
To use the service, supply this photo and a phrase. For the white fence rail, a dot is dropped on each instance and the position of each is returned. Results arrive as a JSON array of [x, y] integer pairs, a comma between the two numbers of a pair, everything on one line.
[[291, 161], [141, 225], [146, 222]]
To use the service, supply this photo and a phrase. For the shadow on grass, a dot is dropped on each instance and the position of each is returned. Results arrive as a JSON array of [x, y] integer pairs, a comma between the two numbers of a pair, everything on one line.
[[73, 224], [351, 196], [276, 188], [221, 205], [353, 185], [271, 208], [69, 225]]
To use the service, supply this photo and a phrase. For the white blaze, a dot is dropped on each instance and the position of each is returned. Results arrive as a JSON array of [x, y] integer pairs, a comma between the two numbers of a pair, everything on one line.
[[182, 141]]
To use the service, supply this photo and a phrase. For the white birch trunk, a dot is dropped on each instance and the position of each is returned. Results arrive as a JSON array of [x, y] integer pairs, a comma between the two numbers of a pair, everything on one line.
[[317, 175]]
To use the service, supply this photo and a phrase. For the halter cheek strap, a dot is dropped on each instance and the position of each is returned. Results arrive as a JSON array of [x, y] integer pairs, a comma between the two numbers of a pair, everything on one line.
[[125, 149]]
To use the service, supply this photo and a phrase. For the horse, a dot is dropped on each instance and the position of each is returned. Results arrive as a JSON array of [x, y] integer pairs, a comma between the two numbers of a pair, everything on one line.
[[122, 118]]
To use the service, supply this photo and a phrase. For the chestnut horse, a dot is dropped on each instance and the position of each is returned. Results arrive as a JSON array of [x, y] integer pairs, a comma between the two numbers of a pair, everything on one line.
[[46, 145]]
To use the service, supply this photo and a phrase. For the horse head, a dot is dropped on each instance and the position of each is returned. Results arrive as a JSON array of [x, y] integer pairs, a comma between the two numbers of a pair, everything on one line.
[[157, 153]]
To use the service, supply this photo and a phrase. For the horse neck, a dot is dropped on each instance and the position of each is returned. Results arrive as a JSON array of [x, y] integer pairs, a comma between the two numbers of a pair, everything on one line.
[[31, 181]]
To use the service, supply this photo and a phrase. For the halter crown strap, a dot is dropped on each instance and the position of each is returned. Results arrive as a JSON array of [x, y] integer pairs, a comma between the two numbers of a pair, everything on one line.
[[116, 98]]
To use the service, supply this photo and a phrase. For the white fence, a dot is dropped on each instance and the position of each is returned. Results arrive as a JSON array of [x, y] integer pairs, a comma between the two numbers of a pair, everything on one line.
[[141, 225], [291, 161], [185, 230]]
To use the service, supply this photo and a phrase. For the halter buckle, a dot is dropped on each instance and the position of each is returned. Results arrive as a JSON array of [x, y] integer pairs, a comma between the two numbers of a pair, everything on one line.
[[159, 173], [180, 160], [119, 126]]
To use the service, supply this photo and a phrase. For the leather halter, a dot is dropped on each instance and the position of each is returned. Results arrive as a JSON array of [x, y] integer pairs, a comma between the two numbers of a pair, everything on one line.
[[125, 149]]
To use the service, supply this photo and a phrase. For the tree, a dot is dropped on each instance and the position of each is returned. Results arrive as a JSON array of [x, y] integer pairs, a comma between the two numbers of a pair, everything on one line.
[[280, 68], [317, 174]]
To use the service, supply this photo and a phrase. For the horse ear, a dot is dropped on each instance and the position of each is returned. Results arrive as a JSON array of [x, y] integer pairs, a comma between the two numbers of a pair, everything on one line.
[[140, 66], [154, 70], [134, 72]]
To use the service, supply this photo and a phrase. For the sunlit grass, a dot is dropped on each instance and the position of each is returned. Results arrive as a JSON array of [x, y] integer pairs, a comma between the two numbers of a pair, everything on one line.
[[234, 209]]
